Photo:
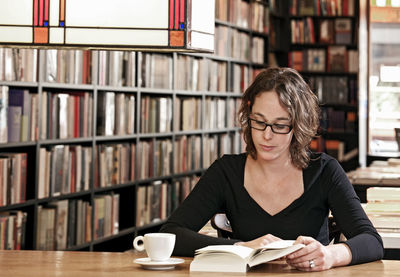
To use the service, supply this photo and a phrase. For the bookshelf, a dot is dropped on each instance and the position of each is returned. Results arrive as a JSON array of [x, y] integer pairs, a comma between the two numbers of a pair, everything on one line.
[[320, 40], [114, 141]]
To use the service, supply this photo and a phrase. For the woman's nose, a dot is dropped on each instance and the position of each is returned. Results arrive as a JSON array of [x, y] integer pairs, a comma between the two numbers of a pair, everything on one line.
[[268, 132]]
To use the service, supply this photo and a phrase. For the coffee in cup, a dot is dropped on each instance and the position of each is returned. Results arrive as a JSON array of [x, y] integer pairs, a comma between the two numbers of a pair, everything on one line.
[[159, 246]]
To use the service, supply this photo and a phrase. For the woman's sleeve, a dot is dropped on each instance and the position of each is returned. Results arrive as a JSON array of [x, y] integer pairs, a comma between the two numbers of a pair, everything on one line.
[[205, 200], [362, 238]]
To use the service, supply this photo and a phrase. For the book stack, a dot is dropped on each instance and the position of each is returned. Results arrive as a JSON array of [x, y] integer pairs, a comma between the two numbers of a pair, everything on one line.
[[322, 7], [241, 78], [187, 149], [18, 64], [115, 164], [64, 169], [117, 68], [187, 113], [106, 215], [18, 115], [302, 31], [116, 114], [13, 229], [215, 113], [13, 178], [66, 115], [156, 114], [69, 66], [156, 71], [380, 173], [157, 200], [259, 17], [383, 209]]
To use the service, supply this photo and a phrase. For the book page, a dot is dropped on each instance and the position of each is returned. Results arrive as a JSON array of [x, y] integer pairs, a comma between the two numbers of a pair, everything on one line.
[[241, 251], [271, 254]]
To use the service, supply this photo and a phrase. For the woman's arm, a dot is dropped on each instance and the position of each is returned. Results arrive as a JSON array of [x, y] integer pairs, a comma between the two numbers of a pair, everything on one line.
[[363, 240]]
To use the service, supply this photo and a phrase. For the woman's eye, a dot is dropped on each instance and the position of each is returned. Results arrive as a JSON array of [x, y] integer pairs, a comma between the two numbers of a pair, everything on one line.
[[278, 126]]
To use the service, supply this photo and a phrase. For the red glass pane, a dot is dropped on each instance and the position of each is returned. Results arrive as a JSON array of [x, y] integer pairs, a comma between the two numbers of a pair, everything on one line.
[[46, 10], [35, 12], [171, 14], [182, 17]]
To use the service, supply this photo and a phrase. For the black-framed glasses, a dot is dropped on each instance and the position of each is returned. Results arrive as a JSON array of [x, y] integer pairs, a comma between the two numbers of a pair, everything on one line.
[[276, 128]]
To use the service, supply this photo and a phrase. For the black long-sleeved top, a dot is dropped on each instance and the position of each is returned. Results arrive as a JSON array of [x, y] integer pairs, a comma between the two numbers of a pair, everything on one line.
[[326, 187]]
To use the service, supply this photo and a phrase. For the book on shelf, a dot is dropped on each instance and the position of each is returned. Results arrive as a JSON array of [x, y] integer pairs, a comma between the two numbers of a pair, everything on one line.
[[259, 17], [241, 79], [221, 10], [296, 60], [45, 233], [343, 31], [236, 258], [19, 104], [257, 50], [337, 59], [353, 58], [335, 148], [163, 157], [187, 153], [326, 31], [3, 114], [61, 223]]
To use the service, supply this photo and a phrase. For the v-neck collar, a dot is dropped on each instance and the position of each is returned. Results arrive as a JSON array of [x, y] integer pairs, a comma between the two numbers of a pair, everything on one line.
[[309, 178]]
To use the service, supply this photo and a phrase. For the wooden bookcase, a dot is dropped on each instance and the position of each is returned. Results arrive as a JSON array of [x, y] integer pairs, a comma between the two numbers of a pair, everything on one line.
[[320, 40], [150, 82]]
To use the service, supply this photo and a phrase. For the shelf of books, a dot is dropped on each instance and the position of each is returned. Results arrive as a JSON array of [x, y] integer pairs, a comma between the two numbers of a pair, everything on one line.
[[323, 39], [98, 146]]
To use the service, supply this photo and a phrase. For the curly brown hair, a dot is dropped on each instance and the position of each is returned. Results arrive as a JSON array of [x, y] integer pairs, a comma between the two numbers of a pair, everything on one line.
[[301, 103]]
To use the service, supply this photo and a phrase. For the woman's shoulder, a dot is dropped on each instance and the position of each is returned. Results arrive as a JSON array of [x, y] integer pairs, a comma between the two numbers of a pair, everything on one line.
[[320, 158], [320, 161]]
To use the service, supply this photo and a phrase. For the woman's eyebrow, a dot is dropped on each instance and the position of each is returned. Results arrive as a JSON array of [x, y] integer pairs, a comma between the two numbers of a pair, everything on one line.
[[278, 118]]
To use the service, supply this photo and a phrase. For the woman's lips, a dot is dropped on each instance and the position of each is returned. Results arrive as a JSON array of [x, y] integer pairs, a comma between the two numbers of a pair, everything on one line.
[[267, 147]]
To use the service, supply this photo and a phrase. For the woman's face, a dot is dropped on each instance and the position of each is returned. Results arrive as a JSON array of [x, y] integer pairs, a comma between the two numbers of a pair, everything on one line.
[[270, 146]]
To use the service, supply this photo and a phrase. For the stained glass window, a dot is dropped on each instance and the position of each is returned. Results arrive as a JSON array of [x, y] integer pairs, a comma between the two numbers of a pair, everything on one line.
[[160, 24]]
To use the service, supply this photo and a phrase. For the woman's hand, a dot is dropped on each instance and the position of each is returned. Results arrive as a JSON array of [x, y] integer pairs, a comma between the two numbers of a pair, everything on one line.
[[259, 242], [317, 257]]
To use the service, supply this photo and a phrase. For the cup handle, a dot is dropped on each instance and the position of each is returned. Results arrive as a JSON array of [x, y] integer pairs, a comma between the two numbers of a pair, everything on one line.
[[136, 245]]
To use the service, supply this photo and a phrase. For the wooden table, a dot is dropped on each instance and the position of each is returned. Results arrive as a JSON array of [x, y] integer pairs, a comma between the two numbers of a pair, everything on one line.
[[75, 264]]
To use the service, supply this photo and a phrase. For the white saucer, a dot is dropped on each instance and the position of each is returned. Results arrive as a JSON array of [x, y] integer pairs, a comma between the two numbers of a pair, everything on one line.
[[147, 263]]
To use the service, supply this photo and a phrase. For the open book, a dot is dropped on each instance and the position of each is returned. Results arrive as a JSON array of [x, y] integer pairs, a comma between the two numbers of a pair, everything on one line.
[[237, 258]]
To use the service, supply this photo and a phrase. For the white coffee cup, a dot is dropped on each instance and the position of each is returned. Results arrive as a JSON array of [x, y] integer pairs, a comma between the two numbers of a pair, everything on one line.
[[159, 246]]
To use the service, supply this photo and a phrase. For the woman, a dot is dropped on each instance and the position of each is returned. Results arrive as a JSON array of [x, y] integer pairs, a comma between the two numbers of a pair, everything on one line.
[[278, 189]]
